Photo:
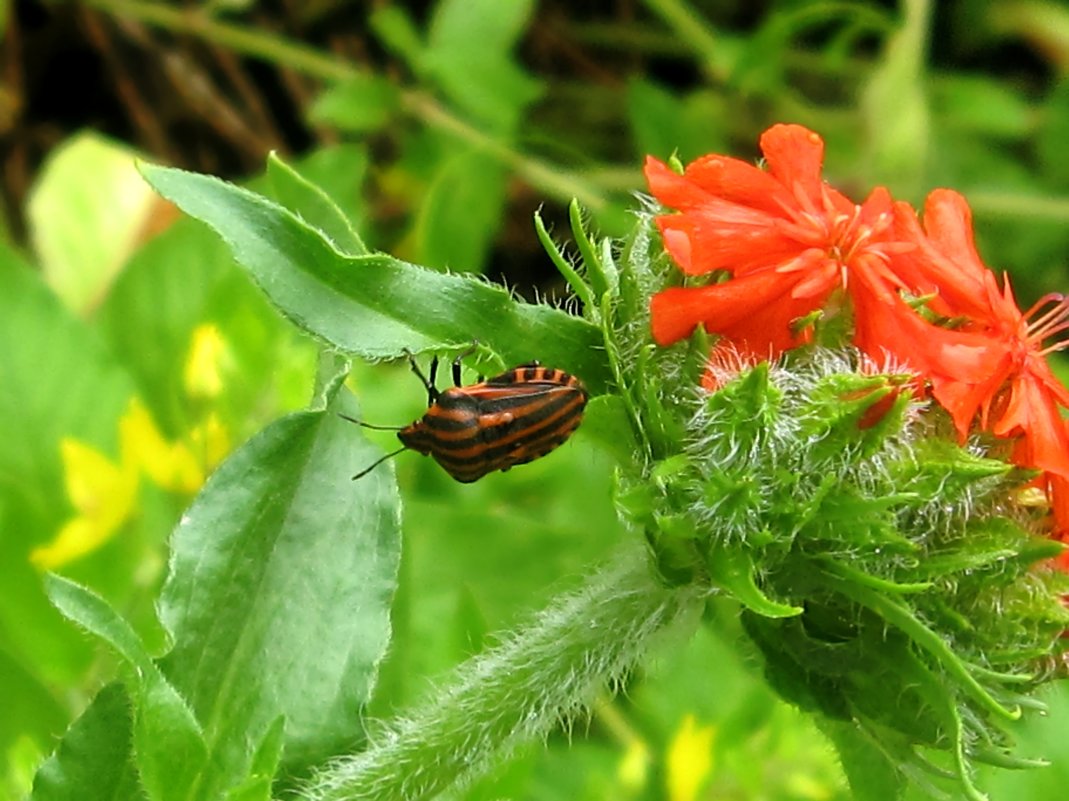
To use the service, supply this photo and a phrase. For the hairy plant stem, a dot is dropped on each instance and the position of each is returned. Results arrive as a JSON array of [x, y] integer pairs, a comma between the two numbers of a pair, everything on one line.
[[542, 675]]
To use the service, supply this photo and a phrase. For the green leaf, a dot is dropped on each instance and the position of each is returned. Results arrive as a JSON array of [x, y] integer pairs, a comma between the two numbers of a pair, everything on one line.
[[56, 379], [95, 615], [341, 172], [810, 690], [184, 279], [872, 775], [168, 744], [169, 748], [314, 206], [376, 306], [87, 213], [461, 212], [607, 423], [360, 104], [257, 787], [664, 124], [395, 29], [282, 574], [92, 761], [468, 54]]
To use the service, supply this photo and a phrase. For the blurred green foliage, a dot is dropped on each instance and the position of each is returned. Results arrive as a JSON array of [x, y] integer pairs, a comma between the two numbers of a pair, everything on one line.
[[437, 144]]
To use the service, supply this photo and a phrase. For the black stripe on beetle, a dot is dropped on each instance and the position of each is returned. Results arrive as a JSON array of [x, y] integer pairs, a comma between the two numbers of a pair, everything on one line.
[[495, 424]]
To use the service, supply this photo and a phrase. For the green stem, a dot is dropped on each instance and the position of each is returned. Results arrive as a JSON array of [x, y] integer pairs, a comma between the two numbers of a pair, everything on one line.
[[233, 37], [559, 183], [517, 692], [620, 378], [695, 32]]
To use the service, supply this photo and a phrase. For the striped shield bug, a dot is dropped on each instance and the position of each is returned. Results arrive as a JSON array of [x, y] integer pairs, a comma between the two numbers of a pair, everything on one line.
[[494, 424]]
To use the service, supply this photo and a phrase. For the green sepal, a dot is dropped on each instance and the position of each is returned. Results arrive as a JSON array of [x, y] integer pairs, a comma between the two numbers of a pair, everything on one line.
[[746, 409], [595, 270], [699, 348], [607, 265], [941, 471], [579, 286], [835, 510], [1004, 759], [734, 495], [835, 418], [734, 569]]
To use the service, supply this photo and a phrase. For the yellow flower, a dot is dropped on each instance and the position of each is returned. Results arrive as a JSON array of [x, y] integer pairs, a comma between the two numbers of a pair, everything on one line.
[[102, 493], [689, 760], [170, 465], [207, 361]]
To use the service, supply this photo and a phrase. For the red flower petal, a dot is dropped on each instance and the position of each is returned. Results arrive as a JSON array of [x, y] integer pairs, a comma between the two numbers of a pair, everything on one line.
[[795, 155], [754, 312], [945, 263], [1032, 414], [726, 238], [672, 189], [737, 182]]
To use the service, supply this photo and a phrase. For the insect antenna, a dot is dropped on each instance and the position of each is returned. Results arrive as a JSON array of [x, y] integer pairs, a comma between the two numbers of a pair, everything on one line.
[[377, 462], [368, 425]]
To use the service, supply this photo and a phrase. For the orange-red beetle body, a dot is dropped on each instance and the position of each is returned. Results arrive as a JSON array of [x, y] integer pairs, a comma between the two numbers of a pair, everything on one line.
[[495, 424]]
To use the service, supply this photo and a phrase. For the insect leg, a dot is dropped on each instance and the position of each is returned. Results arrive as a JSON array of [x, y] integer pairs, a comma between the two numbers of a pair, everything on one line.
[[456, 362], [432, 391]]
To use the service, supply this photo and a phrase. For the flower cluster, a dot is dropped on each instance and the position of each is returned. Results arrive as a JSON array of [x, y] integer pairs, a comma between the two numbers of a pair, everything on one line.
[[788, 247]]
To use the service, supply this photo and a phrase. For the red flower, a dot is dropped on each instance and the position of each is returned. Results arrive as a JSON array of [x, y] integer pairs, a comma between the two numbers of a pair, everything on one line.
[[789, 241], [1017, 395]]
